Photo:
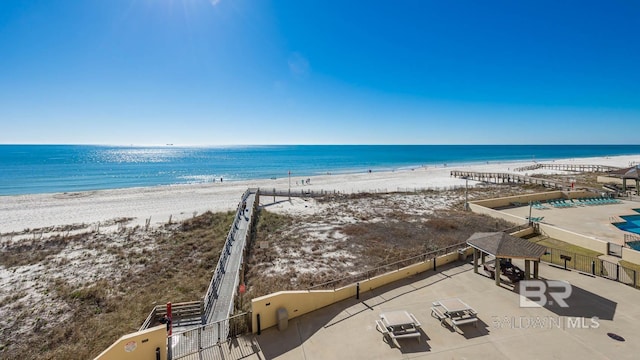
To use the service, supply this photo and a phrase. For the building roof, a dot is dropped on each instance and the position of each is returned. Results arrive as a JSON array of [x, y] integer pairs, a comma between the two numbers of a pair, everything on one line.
[[503, 245]]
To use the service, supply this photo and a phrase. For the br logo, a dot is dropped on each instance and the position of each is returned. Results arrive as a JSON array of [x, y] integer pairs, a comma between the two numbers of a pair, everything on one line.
[[538, 293]]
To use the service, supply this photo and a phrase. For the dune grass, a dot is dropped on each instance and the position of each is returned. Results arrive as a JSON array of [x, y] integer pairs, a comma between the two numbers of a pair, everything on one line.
[[91, 318]]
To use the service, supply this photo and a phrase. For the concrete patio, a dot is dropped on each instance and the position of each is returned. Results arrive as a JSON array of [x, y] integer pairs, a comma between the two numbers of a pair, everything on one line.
[[346, 330], [589, 220]]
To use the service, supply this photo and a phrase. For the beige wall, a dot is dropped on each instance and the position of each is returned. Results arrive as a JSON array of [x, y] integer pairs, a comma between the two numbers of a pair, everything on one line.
[[298, 303], [631, 255], [524, 232], [138, 345], [574, 239], [479, 209], [612, 180], [524, 199], [505, 201]]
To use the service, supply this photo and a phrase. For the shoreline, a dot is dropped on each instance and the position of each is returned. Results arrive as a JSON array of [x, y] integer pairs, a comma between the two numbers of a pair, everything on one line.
[[89, 170], [182, 201]]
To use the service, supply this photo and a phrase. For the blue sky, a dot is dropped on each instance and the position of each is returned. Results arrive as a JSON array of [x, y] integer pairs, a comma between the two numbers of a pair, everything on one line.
[[204, 72]]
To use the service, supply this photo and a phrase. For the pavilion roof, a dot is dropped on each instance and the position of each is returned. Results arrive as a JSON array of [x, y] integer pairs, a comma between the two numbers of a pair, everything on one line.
[[627, 173], [503, 245]]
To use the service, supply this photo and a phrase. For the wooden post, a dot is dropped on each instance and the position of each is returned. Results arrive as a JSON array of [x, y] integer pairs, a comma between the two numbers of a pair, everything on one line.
[[475, 260], [497, 271]]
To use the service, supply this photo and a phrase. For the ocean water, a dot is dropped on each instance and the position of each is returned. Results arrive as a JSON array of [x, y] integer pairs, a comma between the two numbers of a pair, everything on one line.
[[28, 169]]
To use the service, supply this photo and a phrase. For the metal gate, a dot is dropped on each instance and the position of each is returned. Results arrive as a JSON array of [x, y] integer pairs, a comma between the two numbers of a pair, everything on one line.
[[209, 338], [609, 270], [627, 276]]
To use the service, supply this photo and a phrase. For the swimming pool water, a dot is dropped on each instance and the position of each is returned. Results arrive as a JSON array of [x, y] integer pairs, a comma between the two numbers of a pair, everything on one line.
[[635, 245], [632, 224]]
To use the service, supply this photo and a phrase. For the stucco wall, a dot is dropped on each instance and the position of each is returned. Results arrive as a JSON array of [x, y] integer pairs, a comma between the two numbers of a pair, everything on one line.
[[298, 303], [505, 201], [524, 199], [574, 238], [479, 209], [631, 255], [138, 345]]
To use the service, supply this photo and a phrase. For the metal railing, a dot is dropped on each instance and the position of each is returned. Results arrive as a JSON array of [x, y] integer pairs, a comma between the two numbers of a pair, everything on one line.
[[218, 273], [594, 266], [182, 314], [396, 265], [203, 337]]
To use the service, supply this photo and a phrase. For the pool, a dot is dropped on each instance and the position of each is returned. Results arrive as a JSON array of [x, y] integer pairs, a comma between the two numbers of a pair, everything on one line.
[[632, 224]]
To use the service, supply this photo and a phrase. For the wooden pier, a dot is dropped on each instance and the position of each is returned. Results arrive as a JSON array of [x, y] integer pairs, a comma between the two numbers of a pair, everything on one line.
[[569, 167]]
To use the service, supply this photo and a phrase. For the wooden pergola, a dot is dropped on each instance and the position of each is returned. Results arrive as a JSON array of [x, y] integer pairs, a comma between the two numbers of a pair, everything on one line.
[[504, 246], [631, 173]]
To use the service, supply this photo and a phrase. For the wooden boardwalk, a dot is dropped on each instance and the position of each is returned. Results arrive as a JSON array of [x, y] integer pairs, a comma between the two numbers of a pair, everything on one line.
[[227, 276], [508, 178], [569, 167], [295, 193]]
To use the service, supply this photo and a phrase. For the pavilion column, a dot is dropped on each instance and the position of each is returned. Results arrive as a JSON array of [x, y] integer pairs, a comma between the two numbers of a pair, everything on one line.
[[497, 271], [527, 269], [535, 269], [624, 184], [475, 260], [482, 257]]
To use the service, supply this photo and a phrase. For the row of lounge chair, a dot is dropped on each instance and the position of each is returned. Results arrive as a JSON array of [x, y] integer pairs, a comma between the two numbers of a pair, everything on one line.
[[598, 201], [563, 203]]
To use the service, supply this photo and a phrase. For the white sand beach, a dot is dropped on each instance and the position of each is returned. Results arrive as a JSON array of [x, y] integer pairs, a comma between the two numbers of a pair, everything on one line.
[[183, 201]]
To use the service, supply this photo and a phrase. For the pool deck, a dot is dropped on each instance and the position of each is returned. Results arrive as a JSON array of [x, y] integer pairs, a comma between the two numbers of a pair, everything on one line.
[[589, 220], [346, 330]]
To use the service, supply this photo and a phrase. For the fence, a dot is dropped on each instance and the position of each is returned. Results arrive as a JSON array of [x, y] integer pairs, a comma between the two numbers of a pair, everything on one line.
[[569, 167], [593, 265], [368, 274], [209, 337], [182, 314], [322, 192]]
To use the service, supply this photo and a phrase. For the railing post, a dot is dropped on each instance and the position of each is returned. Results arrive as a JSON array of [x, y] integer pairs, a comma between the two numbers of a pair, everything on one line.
[[258, 322]]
